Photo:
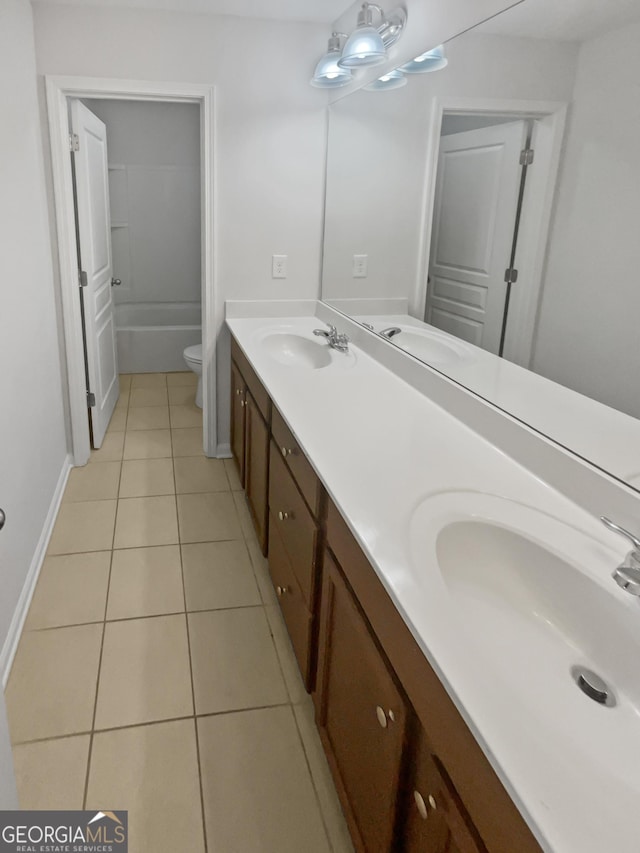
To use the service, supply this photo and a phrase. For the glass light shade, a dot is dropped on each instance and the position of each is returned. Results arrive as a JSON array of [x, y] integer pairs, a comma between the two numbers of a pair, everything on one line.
[[432, 60], [364, 47], [328, 75], [392, 80]]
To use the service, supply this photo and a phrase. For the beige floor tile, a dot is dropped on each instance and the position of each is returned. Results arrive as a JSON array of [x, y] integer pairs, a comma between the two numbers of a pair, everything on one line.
[[246, 522], [258, 793], [187, 442], [261, 571], [232, 475], [123, 399], [93, 482], [147, 444], [83, 527], [71, 589], [208, 517], [148, 417], [125, 381], [118, 422], [234, 662], [145, 582], [195, 474], [218, 575], [330, 807], [146, 477], [148, 397], [182, 378], [145, 672], [152, 771], [182, 395], [185, 417], [148, 380], [51, 774], [52, 686], [290, 669], [146, 521], [111, 450]]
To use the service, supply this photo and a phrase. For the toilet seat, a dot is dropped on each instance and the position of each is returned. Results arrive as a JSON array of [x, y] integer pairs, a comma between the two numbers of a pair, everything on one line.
[[194, 353]]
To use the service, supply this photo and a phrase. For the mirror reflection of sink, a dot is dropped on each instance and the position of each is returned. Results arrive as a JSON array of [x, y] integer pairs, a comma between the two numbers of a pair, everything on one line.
[[292, 348], [433, 348]]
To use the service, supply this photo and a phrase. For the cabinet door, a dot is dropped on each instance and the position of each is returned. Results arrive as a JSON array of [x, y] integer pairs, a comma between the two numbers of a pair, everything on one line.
[[256, 470], [362, 716], [436, 820], [238, 399]]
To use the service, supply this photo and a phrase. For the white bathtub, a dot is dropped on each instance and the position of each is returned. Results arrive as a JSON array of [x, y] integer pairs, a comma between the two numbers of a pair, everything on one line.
[[152, 335]]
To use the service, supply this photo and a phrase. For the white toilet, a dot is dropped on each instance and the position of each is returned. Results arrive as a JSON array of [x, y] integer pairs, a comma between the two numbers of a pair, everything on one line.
[[193, 357]]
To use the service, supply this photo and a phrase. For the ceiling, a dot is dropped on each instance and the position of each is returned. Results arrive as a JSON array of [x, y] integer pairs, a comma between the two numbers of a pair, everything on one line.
[[564, 20], [321, 11]]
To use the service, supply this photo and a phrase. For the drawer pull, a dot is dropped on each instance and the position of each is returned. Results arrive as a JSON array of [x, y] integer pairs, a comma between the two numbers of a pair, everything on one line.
[[286, 451], [238, 391], [284, 516], [243, 403], [432, 802], [282, 590], [382, 717], [420, 805]]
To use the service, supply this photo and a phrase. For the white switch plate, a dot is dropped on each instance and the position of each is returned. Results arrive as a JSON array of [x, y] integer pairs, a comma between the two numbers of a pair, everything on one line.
[[360, 266], [279, 266]]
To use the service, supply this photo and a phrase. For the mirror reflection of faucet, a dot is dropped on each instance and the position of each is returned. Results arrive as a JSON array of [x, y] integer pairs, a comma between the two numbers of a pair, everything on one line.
[[391, 332]]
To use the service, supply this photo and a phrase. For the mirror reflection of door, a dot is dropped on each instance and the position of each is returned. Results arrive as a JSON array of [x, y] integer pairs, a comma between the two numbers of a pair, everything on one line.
[[479, 189]]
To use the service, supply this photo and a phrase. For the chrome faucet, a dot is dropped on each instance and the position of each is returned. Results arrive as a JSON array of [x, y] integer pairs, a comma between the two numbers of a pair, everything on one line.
[[335, 340], [627, 575], [391, 332]]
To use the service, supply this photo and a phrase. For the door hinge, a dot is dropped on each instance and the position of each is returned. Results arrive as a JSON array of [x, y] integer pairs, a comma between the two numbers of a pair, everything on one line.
[[91, 399], [74, 142], [526, 156], [511, 275], [82, 278]]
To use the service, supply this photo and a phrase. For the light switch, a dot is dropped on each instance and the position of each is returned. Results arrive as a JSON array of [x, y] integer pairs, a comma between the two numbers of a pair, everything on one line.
[[279, 266], [360, 266]]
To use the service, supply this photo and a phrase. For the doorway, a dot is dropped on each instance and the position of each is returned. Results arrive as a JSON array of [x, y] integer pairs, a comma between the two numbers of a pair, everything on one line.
[[493, 168], [60, 93]]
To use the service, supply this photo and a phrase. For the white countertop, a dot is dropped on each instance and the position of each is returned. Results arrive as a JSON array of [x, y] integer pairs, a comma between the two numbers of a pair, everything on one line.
[[381, 448]]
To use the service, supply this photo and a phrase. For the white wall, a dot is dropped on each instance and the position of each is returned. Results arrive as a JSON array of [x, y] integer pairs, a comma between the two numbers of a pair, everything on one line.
[[33, 446], [154, 188], [270, 129], [588, 324], [377, 157]]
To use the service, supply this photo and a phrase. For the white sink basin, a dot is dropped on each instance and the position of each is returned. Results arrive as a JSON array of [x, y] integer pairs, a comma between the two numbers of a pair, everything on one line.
[[290, 347], [431, 347], [517, 600]]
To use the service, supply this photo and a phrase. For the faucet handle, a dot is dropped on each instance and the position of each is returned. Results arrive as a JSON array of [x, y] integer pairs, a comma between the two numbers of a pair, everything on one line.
[[617, 529]]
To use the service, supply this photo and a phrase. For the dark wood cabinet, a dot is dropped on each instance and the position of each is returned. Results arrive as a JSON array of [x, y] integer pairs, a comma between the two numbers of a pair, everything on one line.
[[256, 469], [238, 400], [435, 818], [361, 714]]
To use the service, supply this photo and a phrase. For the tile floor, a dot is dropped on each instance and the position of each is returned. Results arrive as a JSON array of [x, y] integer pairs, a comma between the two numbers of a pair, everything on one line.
[[155, 673]]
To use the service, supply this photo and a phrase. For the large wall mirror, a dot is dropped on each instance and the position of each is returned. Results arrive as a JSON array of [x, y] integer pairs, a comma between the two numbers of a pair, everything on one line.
[[485, 217]]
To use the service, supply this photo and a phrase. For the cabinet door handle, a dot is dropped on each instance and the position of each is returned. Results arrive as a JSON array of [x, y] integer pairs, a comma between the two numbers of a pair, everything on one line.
[[238, 391], [420, 805], [432, 802], [283, 516], [243, 403], [282, 590], [382, 717], [286, 451]]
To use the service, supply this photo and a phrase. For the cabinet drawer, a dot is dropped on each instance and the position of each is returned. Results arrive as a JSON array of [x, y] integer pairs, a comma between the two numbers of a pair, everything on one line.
[[292, 603], [294, 523], [300, 467], [257, 389]]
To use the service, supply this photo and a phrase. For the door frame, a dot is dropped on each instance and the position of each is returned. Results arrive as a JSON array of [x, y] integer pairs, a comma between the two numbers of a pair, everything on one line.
[[58, 91], [549, 126]]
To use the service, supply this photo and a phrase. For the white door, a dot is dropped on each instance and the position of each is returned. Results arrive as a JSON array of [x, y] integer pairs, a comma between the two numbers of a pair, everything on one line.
[[94, 231], [476, 200]]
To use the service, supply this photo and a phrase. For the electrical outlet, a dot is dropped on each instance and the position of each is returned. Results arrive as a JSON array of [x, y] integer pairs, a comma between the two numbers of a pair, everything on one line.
[[278, 266], [360, 266]]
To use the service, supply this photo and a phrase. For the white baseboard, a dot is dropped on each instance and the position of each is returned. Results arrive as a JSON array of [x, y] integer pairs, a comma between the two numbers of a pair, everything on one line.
[[223, 451], [20, 613]]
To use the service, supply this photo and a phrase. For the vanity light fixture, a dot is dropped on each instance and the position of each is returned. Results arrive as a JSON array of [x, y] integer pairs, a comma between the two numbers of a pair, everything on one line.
[[328, 75], [431, 60], [368, 43], [391, 80]]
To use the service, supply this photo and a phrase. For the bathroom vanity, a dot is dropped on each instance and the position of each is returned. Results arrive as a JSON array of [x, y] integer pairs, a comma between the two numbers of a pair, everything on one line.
[[420, 671]]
